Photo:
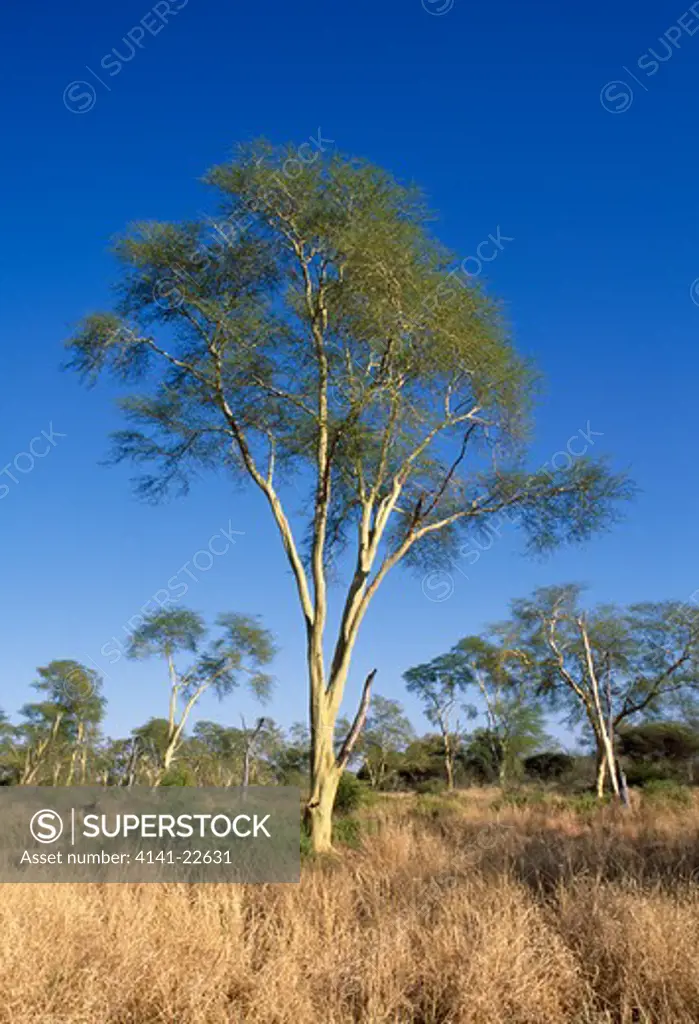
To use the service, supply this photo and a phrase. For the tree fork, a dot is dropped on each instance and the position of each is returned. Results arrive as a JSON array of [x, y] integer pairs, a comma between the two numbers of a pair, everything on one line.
[[326, 767]]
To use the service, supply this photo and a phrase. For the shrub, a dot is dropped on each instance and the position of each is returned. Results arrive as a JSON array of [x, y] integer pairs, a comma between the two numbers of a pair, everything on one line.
[[587, 803], [549, 765], [351, 794], [179, 775], [667, 791], [641, 773], [659, 741], [431, 787]]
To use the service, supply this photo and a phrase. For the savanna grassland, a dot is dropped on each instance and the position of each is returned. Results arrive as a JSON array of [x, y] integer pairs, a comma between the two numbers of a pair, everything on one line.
[[439, 909]]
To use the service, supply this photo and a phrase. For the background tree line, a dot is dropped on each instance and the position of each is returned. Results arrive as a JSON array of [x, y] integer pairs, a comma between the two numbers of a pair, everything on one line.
[[625, 679]]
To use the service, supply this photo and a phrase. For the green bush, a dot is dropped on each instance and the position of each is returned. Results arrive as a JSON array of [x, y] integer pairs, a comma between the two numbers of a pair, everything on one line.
[[549, 765], [587, 803], [431, 787], [641, 773], [667, 791], [351, 794], [179, 775]]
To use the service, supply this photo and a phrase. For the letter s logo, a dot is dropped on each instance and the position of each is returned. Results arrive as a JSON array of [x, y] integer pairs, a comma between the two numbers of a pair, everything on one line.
[[79, 97], [46, 826]]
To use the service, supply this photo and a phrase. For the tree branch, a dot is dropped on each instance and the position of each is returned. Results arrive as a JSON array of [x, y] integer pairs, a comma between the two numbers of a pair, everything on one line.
[[357, 724]]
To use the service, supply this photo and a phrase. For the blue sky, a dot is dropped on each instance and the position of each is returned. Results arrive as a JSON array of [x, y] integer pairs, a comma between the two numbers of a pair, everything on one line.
[[554, 124]]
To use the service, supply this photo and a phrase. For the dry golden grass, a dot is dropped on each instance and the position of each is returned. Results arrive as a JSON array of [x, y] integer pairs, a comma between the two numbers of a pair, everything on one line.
[[449, 912]]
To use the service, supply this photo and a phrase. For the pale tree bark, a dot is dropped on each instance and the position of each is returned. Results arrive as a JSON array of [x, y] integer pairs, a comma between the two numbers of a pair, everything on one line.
[[504, 762], [83, 765], [448, 753], [449, 761], [36, 756], [78, 748], [601, 772], [602, 730], [132, 764], [168, 757], [326, 766], [325, 774], [249, 739], [611, 729], [71, 766]]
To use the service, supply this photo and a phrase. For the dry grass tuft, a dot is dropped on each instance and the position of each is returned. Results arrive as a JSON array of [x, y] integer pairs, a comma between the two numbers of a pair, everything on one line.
[[450, 912]]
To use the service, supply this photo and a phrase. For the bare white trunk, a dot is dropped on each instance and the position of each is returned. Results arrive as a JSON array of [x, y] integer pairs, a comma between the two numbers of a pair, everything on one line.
[[600, 724], [326, 766], [325, 775], [601, 773]]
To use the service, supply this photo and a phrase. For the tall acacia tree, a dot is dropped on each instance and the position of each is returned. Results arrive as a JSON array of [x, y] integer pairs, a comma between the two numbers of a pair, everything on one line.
[[613, 665], [241, 651], [328, 339], [60, 729], [500, 675], [387, 733], [440, 684]]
